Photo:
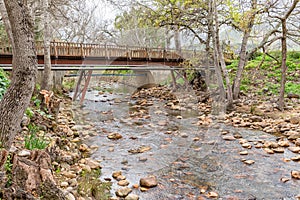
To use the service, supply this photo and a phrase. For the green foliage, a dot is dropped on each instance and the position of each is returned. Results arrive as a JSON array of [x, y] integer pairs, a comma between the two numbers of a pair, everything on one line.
[[295, 55], [4, 82], [293, 88], [90, 184], [33, 141], [68, 83], [29, 112], [8, 169], [44, 114]]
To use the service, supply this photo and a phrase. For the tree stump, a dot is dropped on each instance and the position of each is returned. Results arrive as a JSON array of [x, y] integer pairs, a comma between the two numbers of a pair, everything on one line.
[[32, 178]]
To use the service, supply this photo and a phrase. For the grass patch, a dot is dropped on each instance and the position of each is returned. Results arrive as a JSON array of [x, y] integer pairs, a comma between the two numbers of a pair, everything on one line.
[[33, 141]]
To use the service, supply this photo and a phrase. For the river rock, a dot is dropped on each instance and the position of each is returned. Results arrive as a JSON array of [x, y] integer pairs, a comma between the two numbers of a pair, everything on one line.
[[64, 184], [256, 119], [83, 148], [70, 196], [114, 136], [295, 120], [228, 138], [268, 150], [294, 136], [93, 164], [278, 150], [270, 144], [295, 174], [121, 177], [294, 149], [116, 174], [296, 158], [249, 162], [244, 153], [297, 142], [284, 143], [68, 174], [148, 182], [123, 183], [24, 153], [132, 197], [247, 145], [123, 192]]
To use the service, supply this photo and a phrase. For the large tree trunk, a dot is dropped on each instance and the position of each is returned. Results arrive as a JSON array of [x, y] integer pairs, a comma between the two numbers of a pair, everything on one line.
[[243, 52], [283, 65], [17, 97], [47, 74], [219, 94], [284, 53], [222, 61]]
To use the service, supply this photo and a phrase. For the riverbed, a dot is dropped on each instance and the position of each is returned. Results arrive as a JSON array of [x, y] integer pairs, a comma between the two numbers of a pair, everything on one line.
[[190, 161]]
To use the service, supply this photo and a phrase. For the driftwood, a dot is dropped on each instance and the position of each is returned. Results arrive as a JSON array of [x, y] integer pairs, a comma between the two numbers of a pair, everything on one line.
[[32, 178]]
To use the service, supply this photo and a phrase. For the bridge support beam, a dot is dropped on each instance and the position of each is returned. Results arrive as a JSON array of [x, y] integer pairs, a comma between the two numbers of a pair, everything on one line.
[[85, 77]]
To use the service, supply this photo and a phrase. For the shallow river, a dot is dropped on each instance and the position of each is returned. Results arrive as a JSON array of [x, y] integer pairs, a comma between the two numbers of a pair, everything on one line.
[[187, 159]]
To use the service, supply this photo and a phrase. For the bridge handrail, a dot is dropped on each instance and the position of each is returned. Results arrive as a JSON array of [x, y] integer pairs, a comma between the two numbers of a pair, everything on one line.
[[66, 49]]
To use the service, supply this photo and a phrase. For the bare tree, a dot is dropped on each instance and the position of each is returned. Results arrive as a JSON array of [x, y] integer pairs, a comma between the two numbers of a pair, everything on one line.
[[47, 74], [283, 20]]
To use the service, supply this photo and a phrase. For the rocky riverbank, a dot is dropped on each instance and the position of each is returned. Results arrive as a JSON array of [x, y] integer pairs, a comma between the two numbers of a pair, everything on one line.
[[70, 173]]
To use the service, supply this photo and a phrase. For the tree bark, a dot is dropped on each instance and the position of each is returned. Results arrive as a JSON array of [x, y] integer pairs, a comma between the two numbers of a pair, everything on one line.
[[47, 74], [283, 65], [221, 61], [17, 97], [243, 52], [219, 96], [284, 53], [6, 22]]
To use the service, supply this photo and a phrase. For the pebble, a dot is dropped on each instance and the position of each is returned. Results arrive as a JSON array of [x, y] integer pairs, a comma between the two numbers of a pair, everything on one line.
[[244, 153], [229, 138], [143, 159], [64, 184], [249, 162], [247, 145]]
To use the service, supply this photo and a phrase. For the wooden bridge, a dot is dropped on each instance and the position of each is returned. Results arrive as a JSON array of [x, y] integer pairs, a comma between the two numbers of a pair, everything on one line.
[[66, 53], [89, 57]]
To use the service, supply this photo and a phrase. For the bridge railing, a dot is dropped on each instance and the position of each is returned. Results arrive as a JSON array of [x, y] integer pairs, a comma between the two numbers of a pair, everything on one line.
[[104, 50]]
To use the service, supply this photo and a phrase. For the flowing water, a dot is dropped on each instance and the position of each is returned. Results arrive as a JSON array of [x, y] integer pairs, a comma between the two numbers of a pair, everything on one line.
[[187, 159]]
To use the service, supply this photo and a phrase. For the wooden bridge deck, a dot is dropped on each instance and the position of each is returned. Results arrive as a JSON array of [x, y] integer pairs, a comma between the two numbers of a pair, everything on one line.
[[102, 54]]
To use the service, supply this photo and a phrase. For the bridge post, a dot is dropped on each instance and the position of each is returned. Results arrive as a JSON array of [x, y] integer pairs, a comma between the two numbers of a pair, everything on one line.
[[85, 75]]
